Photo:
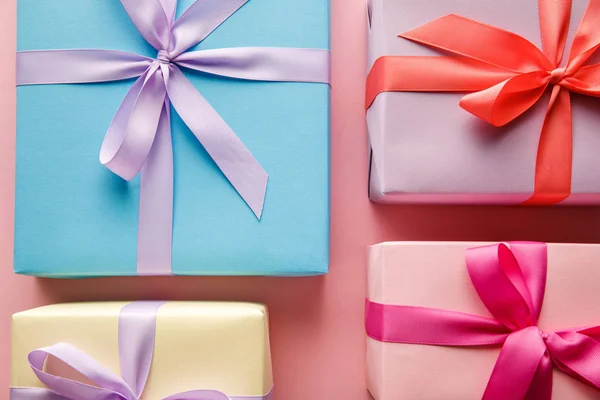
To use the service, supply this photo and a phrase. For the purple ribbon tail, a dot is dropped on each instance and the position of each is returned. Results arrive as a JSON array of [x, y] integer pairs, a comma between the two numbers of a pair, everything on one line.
[[236, 162]]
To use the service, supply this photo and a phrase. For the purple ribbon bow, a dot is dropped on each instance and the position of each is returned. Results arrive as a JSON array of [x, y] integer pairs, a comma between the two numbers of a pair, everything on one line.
[[139, 137], [137, 329]]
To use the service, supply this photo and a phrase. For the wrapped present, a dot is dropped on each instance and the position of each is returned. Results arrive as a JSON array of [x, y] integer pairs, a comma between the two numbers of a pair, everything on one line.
[[141, 350], [467, 321], [486, 103], [216, 159]]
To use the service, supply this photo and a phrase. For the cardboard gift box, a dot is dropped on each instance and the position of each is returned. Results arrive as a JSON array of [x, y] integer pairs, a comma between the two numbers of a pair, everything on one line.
[[250, 100], [441, 321], [426, 149], [208, 351]]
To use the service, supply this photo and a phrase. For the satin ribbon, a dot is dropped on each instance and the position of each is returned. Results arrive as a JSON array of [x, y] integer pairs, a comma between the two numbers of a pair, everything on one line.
[[139, 137], [510, 282], [137, 330], [507, 75]]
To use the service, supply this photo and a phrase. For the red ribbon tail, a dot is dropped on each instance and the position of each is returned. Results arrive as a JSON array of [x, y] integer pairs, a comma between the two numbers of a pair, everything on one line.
[[555, 152]]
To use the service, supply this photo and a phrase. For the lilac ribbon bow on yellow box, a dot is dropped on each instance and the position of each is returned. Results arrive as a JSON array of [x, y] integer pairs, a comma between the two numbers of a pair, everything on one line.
[[139, 137], [70, 373]]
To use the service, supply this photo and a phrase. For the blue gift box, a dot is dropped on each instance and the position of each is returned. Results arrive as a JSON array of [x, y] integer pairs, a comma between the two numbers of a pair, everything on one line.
[[74, 218]]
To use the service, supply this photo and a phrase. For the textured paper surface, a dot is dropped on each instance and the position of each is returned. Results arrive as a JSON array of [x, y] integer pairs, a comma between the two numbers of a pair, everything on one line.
[[427, 149], [219, 346], [435, 275], [82, 220]]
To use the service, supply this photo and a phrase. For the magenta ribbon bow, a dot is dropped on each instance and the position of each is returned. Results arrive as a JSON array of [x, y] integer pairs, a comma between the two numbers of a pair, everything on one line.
[[139, 137], [511, 282], [137, 329]]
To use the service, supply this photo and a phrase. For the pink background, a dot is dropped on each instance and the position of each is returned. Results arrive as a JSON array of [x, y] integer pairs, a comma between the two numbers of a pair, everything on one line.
[[317, 323]]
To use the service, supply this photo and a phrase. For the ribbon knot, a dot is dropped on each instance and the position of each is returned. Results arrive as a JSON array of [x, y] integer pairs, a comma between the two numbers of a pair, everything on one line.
[[510, 281], [545, 336], [163, 57], [557, 75]]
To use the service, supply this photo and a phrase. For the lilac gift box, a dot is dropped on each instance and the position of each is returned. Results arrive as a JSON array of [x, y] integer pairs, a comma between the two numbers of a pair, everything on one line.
[[426, 149]]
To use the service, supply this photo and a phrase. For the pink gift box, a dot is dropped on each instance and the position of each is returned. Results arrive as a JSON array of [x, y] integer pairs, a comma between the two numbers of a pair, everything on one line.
[[434, 275], [426, 149]]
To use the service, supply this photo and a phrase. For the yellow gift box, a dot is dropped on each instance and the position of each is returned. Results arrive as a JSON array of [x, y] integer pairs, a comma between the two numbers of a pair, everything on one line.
[[197, 345]]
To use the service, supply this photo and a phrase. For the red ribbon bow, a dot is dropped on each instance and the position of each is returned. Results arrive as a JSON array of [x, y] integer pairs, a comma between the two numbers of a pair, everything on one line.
[[507, 75], [511, 283]]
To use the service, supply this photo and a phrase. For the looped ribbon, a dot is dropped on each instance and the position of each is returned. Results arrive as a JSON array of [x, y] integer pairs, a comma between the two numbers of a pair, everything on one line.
[[137, 329], [507, 75], [139, 137], [510, 282]]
